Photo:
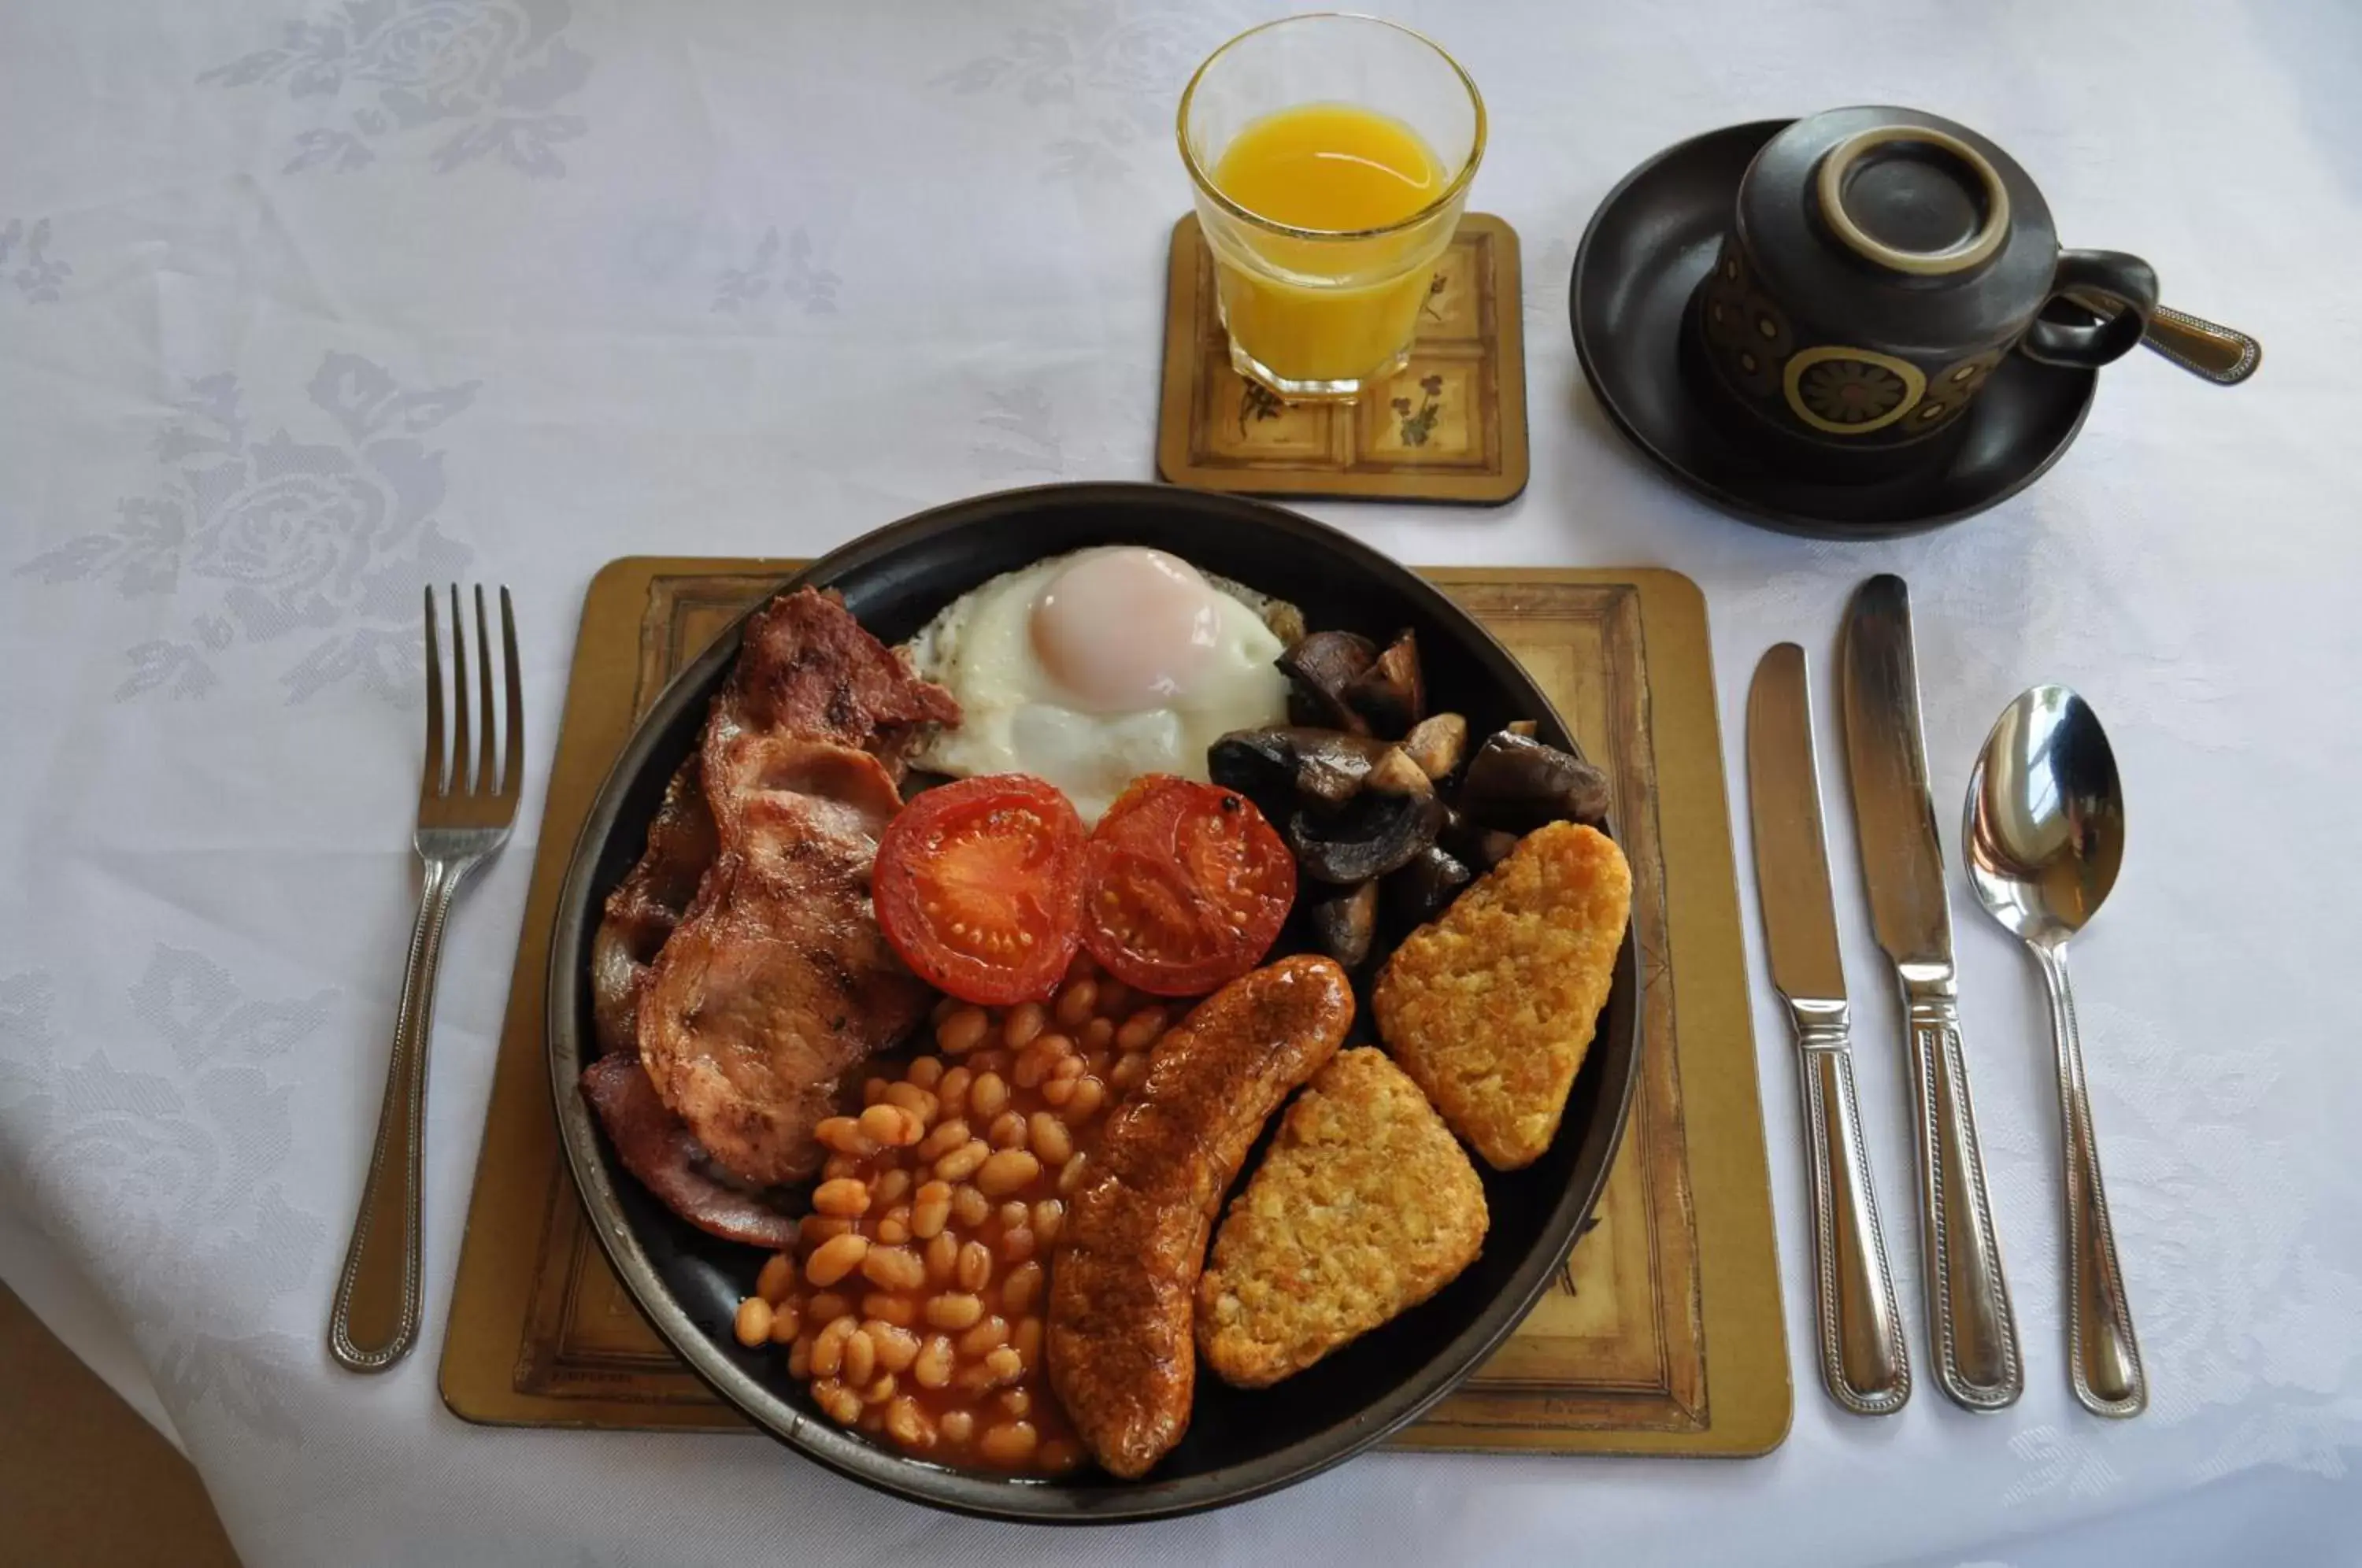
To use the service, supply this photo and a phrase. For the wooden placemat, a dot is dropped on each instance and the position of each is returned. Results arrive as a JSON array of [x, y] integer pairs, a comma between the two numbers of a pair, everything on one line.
[[1664, 1332], [1450, 426]]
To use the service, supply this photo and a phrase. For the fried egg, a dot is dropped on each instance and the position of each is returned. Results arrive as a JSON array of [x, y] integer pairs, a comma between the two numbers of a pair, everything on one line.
[[1089, 669]]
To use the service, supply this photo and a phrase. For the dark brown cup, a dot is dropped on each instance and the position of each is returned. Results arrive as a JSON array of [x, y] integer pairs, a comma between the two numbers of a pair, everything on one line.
[[1881, 263]]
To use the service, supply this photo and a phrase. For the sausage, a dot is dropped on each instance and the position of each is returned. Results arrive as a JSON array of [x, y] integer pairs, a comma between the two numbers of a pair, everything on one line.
[[1121, 1344]]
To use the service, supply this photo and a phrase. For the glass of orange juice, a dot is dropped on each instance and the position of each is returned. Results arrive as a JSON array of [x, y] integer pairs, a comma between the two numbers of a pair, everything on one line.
[[1330, 155]]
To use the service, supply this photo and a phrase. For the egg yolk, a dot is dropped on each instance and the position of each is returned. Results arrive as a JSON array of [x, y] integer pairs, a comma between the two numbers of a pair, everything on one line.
[[1127, 629]]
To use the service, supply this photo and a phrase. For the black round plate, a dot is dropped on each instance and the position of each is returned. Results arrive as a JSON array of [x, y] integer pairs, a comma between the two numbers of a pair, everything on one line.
[[1240, 1445], [1648, 246]]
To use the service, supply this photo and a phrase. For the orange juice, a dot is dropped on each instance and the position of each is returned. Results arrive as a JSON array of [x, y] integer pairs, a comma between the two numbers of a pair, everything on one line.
[[1332, 309]]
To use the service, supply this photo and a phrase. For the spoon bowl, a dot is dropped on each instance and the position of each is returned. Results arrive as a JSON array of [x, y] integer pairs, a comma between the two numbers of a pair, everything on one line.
[[2045, 820], [2043, 840]]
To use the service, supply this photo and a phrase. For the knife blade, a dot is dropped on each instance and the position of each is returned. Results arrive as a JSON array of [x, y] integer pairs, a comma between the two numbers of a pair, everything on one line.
[[1864, 1364], [1970, 1323], [1894, 814], [1783, 798]]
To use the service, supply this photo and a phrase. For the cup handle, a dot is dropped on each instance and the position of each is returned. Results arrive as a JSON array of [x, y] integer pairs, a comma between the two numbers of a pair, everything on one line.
[[2127, 281]]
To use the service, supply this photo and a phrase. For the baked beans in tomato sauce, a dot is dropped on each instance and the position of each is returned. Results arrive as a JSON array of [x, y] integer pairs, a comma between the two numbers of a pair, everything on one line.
[[912, 1303]]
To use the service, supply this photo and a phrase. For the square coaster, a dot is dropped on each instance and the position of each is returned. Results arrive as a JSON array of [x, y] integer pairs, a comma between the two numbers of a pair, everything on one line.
[[1450, 426]]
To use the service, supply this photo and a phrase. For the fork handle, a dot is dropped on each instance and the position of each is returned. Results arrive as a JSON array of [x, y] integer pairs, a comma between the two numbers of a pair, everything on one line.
[[375, 1319]]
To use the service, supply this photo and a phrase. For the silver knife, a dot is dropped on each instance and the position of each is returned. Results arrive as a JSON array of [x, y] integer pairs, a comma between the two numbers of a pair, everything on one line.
[[1969, 1325], [1863, 1361]]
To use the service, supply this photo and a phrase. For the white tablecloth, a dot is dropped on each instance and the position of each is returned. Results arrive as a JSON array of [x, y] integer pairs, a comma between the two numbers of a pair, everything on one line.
[[304, 301]]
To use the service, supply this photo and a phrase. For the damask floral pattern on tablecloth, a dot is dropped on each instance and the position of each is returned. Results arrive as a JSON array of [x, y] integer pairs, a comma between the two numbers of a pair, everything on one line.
[[469, 79], [304, 302], [264, 538], [164, 1161]]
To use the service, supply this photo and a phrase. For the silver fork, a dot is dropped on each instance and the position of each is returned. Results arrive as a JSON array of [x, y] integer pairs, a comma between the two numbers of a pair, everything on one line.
[[461, 826]]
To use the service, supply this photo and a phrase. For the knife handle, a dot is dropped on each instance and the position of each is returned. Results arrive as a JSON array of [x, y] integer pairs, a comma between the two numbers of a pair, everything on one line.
[[1970, 1323], [1863, 1360]]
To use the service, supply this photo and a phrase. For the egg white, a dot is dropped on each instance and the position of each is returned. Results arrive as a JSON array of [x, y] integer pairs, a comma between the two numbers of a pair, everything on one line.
[[1017, 719]]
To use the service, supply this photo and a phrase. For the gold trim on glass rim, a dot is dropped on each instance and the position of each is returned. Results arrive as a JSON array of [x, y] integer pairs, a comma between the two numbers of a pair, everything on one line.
[[1922, 263], [1914, 385], [1204, 181]]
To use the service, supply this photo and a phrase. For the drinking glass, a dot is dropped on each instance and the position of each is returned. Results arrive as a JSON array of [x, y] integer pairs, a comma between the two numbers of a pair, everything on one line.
[[1327, 314]]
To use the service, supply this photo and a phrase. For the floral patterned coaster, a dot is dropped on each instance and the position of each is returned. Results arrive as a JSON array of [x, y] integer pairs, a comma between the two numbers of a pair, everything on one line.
[[1450, 426]]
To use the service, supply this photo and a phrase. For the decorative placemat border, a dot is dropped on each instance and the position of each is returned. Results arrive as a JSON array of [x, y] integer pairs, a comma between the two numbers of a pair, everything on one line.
[[1713, 1378]]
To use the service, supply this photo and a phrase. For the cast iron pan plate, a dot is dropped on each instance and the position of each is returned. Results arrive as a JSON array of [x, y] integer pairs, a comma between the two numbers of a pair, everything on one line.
[[1240, 1445], [1648, 245]]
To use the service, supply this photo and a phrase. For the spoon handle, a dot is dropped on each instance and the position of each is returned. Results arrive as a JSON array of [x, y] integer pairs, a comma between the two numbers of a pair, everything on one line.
[[2207, 349], [1970, 1323], [2102, 1355]]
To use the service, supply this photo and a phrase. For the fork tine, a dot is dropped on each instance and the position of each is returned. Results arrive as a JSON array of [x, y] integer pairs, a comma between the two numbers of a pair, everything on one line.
[[430, 779], [513, 774], [488, 774], [459, 732]]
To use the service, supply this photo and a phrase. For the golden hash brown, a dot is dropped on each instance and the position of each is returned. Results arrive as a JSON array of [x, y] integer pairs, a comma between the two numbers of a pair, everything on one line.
[[1364, 1208], [1491, 1007]]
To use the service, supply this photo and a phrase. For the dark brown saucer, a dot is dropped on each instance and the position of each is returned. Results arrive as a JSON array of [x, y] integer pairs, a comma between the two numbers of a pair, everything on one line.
[[1641, 259]]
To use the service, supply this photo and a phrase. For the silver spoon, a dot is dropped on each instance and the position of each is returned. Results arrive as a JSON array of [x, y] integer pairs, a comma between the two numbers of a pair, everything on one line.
[[2044, 835]]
